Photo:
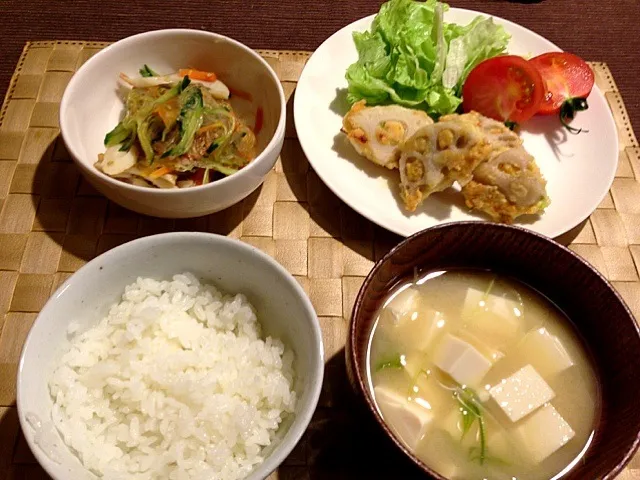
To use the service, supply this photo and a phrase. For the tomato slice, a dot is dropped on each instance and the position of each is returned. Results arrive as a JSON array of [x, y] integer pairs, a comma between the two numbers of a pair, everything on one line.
[[506, 88], [566, 76]]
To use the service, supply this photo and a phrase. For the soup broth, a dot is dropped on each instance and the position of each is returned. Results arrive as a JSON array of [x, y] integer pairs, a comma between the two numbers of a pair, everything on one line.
[[483, 378]]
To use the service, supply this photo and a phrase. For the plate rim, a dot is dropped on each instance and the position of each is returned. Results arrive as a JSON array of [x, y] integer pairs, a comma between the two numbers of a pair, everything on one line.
[[406, 232]]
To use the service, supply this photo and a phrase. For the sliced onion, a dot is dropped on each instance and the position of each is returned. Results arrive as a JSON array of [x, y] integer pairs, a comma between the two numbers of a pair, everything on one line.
[[218, 89]]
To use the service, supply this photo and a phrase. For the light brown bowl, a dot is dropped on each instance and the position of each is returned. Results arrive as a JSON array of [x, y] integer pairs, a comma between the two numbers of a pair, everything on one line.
[[597, 311]]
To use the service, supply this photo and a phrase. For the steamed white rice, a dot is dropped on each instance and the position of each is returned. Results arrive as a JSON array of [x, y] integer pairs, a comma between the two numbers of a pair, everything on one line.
[[175, 383]]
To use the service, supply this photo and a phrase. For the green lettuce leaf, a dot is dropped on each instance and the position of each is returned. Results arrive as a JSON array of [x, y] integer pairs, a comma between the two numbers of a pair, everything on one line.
[[411, 57], [481, 40]]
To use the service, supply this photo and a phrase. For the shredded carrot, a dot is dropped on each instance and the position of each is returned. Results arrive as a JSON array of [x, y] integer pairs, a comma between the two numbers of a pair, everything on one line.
[[259, 121], [211, 126], [167, 113], [198, 74], [159, 172], [241, 94]]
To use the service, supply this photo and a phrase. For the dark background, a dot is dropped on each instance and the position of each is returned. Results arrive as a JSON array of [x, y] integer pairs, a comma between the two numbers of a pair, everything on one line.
[[607, 31]]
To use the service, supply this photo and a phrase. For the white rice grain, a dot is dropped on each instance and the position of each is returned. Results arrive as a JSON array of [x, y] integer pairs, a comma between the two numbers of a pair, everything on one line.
[[175, 383]]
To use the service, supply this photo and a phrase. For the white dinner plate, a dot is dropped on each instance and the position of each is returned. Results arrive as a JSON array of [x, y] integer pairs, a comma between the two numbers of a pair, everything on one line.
[[579, 168]]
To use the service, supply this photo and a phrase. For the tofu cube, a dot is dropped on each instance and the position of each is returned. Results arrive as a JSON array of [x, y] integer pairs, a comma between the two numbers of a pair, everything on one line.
[[408, 420], [419, 331], [447, 458], [461, 360], [545, 352], [494, 320], [542, 434], [521, 393], [414, 363], [448, 470], [483, 394], [487, 351], [402, 305], [429, 326], [499, 444]]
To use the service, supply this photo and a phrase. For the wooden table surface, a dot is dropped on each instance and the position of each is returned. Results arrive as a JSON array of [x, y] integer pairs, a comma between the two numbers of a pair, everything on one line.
[[598, 31]]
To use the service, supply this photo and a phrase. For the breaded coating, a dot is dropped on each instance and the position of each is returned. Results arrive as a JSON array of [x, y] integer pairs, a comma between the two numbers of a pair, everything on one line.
[[376, 132], [497, 133], [449, 151], [497, 175], [438, 155], [507, 186]]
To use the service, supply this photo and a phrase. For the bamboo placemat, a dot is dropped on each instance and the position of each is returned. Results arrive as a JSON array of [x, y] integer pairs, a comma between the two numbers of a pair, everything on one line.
[[52, 222]]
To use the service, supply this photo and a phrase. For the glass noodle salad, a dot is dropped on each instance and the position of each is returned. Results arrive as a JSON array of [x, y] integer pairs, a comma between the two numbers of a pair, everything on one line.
[[179, 131]]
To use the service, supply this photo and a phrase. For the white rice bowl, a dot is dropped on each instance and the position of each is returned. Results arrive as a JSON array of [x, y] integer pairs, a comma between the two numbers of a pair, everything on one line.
[[174, 383]]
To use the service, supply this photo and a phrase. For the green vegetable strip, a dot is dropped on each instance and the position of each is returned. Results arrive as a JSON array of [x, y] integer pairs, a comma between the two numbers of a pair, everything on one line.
[[217, 111], [145, 71], [130, 123], [117, 135], [130, 141], [467, 422], [174, 91], [225, 170], [224, 139], [489, 288], [144, 136], [483, 439], [471, 411], [215, 144], [190, 120], [395, 362], [142, 124]]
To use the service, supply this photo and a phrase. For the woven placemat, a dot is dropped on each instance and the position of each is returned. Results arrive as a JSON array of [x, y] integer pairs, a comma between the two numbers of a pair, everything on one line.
[[52, 222]]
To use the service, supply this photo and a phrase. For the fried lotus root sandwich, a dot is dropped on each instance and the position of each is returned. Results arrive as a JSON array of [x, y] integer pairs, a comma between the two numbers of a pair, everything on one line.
[[457, 145], [507, 186], [377, 132], [438, 155], [497, 133]]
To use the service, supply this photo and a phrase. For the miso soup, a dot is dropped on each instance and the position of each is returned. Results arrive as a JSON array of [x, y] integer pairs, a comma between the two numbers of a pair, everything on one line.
[[483, 378]]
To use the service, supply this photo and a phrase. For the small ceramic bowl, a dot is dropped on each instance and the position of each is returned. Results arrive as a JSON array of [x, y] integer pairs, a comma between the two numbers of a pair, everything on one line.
[[283, 309], [573, 285], [91, 107]]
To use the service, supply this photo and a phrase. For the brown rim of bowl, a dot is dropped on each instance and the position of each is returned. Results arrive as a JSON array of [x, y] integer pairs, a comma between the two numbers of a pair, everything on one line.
[[351, 347]]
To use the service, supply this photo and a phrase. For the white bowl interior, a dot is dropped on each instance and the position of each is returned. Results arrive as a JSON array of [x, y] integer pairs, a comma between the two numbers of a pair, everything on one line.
[[93, 104], [282, 307]]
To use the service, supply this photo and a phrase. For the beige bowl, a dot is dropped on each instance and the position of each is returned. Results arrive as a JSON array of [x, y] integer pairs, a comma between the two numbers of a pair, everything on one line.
[[91, 107]]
